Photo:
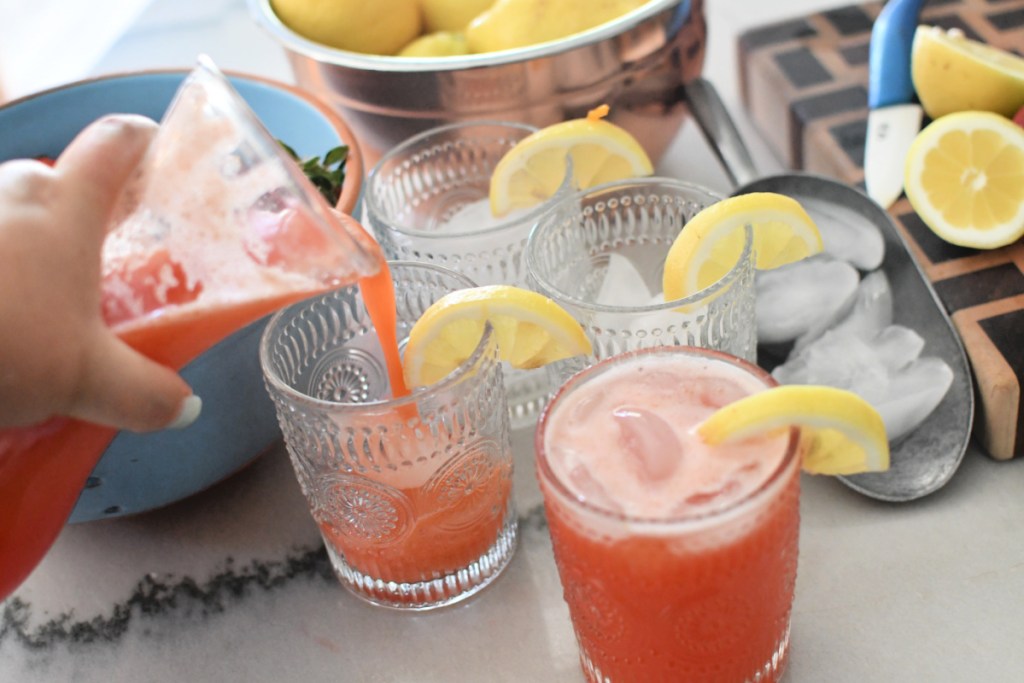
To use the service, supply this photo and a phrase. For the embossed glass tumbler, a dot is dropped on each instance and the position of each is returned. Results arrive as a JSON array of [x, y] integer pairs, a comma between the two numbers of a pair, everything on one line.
[[603, 257], [412, 495], [427, 200], [677, 560]]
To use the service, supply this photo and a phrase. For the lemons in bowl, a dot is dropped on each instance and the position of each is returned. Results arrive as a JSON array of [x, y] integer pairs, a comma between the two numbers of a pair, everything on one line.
[[440, 28], [380, 27], [509, 24]]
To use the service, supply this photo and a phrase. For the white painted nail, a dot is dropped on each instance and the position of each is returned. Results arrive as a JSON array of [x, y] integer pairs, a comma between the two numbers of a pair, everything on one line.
[[190, 409]]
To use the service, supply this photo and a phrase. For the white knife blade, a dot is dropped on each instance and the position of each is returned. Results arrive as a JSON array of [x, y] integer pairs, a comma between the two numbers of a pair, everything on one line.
[[891, 130]]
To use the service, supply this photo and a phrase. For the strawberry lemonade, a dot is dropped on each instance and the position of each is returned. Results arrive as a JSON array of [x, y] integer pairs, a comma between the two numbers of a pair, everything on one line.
[[678, 560], [218, 229], [411, 490]]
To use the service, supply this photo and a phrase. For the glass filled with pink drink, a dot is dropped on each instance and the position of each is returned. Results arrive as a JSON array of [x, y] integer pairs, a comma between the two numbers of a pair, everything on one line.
[[411, 490], [677, 560]]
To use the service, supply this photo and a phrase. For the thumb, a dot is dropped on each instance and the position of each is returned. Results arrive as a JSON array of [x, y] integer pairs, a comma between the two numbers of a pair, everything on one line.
[[122, 388], [98, 163]]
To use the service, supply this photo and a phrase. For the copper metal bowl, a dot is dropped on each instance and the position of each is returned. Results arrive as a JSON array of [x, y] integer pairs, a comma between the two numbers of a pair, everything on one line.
[[637, 64]]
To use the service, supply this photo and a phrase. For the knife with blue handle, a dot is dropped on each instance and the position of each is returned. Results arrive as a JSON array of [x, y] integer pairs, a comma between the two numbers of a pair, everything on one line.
[[893, 119]]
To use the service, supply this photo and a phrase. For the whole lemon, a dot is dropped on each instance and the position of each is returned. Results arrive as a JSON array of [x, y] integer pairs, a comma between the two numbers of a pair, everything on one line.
[[516, 23], [438, 44], [380, 27], [451, 15], [953, 73]]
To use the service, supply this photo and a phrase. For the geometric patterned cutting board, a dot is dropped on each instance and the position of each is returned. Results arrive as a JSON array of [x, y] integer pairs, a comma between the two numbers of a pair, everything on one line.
[[804, 84]]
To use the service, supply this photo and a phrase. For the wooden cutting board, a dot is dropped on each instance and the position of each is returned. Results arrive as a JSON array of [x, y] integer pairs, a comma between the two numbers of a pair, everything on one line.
[[804, 83]]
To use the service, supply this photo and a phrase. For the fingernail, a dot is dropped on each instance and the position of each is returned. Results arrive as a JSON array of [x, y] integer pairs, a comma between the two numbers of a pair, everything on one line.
[[190, 409]]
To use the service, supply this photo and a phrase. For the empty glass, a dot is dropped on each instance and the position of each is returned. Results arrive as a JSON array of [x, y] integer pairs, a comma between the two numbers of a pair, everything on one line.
[[427, 200], [601, 255], [412, 495]]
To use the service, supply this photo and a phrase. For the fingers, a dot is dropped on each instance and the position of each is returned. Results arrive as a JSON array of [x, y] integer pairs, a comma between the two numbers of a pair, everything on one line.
[[25, 181], [122, 388], [99, 162], [118, 386]]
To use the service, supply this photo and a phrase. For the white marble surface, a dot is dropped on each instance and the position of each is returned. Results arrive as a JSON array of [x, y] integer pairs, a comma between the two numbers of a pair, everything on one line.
[[232, 584]]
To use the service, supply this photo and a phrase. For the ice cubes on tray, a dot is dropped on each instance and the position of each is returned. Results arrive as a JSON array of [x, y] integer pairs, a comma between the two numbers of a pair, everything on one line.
[[803, 298], [860, 350]]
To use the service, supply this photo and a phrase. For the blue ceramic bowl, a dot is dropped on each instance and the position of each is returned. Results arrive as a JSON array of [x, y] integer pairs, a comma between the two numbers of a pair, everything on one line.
[[139, 472]]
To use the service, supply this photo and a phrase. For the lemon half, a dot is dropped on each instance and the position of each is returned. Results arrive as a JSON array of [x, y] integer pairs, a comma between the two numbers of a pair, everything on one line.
[[531, 330], [954, 73], [965, 178], [840, 433]]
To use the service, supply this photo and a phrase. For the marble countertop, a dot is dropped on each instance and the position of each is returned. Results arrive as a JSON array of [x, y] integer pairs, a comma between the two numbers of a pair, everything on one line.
[[233, 583]]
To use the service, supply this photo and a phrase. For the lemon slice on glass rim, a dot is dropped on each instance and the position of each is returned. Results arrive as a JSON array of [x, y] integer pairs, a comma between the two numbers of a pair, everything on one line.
[[711, 242], [840, 433], [531, 329], [534, 169], [965, 178]]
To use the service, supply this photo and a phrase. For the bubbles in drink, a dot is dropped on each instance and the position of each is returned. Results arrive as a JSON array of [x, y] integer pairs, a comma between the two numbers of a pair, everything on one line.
[[660, 383], [630, 430], [715, 392], [590, 489], [648, 442], [587, 408], [706, 498]]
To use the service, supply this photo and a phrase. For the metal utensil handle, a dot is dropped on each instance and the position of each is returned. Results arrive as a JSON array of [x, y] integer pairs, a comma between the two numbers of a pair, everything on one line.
[[720, 131]]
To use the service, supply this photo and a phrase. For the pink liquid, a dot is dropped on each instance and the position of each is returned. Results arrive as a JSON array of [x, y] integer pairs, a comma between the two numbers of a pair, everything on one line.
[[212, 234], [681, 563], [171, 317]]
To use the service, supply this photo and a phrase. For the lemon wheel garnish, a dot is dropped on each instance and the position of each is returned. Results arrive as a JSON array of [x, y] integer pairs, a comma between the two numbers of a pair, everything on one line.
[[531, 330], [840, 433], [953, 73], [533, 170], [965, 178], [711, 242]]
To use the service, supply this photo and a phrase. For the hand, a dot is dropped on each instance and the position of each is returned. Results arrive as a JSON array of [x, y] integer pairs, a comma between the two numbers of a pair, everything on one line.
[[57, 356]]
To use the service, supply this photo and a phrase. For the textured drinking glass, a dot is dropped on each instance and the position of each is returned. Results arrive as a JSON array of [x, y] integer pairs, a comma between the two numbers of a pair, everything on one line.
[[701, 591], [601, 255], [412, 495], [427, 200]]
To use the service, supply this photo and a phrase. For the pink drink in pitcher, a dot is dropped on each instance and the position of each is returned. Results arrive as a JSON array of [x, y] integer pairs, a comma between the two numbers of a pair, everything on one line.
[[218, 229]]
